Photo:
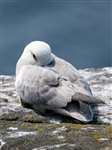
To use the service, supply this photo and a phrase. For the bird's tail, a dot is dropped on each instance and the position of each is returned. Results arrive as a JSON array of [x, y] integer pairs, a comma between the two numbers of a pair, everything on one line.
[[89, 99], [81, 112]]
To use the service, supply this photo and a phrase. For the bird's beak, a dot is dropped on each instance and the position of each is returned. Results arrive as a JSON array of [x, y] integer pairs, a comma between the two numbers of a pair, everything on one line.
[[51, 61]]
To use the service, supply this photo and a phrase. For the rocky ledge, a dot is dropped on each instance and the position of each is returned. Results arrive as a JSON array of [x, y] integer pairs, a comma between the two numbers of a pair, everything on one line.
[[22, 128]]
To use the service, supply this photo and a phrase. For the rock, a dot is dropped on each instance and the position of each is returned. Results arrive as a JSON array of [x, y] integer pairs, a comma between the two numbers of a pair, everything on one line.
[[100, 81], [22, 128], [44, 136]]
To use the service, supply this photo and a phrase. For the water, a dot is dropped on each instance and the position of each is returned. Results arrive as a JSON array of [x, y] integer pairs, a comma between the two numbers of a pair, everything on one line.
[[77, 30]]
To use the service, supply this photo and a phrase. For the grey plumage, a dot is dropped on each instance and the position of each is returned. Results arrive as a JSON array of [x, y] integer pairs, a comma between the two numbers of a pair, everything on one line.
[[47, 86]]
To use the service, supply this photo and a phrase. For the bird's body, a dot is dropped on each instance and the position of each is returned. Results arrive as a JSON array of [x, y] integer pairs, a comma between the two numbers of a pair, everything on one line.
[[66, 69], [58, 86]]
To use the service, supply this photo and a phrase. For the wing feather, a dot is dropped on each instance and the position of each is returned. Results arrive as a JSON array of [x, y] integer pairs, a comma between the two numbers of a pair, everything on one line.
[[43, 86]]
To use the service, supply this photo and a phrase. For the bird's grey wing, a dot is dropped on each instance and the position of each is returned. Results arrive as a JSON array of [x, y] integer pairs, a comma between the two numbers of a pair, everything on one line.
[[82, 88], [59, 92], [42, 85], [62, 103], [65, 68], [43, 89]]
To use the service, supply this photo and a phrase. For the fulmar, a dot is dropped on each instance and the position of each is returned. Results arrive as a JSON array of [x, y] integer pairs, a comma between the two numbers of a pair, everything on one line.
[[45, 82]]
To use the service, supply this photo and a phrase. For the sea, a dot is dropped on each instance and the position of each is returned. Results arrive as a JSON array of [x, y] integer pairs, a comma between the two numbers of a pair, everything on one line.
[[79, 31]]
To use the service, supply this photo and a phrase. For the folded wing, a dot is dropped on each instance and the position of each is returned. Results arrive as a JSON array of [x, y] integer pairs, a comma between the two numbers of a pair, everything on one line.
[[44, 89]]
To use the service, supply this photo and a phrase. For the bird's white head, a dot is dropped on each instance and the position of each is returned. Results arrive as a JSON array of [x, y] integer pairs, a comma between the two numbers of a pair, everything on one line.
[[39, 53], [35, 53]]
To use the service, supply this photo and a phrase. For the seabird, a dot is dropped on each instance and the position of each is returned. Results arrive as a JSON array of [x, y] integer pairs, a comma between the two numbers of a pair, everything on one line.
[[45, 82]]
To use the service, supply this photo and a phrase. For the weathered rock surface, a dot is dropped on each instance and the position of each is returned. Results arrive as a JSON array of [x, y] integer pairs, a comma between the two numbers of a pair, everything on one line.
[[100, 81], [22, 128]]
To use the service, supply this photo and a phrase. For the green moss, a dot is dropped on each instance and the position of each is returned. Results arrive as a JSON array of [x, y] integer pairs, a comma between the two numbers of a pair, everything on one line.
[[96, 135], [109, 131], [38, 126], [34, 118], [29, 118], [10, 117], [75, 126]]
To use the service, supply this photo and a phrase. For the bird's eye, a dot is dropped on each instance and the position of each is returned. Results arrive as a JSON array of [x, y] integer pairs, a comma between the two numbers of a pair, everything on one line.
[[34, 57]]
